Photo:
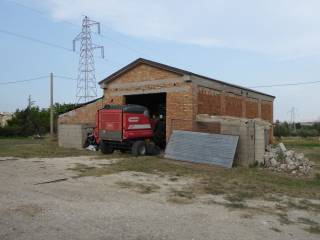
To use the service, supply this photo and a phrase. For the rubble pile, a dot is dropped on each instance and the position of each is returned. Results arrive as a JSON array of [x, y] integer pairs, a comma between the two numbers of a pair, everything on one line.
[[282, 160]]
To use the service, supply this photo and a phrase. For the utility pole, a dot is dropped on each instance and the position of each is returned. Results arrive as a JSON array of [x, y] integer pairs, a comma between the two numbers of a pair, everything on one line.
[[292, 117], [86, 82], [51, 104], [29, 101]]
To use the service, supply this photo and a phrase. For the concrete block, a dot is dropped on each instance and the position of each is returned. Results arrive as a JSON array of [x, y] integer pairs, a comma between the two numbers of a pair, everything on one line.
[[72, 135]]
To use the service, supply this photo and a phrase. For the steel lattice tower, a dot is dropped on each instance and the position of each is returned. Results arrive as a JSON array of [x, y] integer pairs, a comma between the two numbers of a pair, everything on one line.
[[86, 81]]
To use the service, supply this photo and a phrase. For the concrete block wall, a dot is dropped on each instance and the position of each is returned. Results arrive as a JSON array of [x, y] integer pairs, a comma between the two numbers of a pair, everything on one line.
[[251, 144], [245, 131], [72, 135], [259, 142]]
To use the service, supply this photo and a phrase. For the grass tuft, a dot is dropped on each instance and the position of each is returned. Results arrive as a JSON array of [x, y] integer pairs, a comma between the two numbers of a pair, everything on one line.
[[183, 196], [307, 221], [314, 230], [139, 187], [276, 229], [235, 205], [284, 219]]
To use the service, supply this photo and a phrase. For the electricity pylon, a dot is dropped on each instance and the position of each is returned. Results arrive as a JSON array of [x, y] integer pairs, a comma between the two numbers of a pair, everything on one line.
[[86, 81]]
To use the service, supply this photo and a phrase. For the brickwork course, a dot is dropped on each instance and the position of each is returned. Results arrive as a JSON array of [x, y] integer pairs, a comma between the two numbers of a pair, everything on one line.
[[187, 95]]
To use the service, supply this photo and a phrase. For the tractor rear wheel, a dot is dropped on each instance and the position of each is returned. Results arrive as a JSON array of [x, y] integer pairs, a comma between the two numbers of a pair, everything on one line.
[[105, 147], [139, 148]]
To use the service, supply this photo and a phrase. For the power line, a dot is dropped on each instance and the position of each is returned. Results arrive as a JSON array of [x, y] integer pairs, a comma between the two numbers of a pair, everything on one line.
[[37, 78], [45, 14], [287, 84], [25, 80], [18, 35], [123, 45], [65, 77]]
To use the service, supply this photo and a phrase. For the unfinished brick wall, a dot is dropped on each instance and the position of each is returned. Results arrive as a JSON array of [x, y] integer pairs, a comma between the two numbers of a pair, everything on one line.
[[267, 111], [252, 108], [233, 106], [209, 101], [82, 115], [218, 103], [143, 72]]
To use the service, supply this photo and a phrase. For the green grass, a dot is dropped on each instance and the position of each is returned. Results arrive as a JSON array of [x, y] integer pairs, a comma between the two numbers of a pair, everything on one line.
[[309, 146], [28, 148], [299, 141]]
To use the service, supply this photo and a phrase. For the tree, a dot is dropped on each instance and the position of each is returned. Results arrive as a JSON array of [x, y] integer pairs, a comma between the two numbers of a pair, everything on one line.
[[298, 125], [33, 120], [282, 129], [317, 127], [27, 122]]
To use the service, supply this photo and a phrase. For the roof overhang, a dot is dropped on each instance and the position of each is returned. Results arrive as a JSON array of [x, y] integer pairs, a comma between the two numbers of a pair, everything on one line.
[[103, 83]]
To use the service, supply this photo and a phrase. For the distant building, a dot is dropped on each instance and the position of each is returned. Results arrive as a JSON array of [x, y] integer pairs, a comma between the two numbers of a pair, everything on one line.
[[306, 124], [4, 118]]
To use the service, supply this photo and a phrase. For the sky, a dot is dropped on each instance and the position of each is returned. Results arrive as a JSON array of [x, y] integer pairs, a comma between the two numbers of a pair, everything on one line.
[[249, 43]]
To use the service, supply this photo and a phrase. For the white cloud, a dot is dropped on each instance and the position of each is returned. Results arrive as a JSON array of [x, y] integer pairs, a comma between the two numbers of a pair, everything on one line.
[[281, 28]]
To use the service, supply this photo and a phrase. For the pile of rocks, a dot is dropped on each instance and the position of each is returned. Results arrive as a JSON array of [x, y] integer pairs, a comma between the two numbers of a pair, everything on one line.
[[282, 160]]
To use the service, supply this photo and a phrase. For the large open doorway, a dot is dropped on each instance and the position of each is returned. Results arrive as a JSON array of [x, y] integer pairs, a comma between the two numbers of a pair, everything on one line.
[[156, 103]]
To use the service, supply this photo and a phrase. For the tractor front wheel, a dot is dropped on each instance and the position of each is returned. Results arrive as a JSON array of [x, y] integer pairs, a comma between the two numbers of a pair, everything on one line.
[[139, 148]]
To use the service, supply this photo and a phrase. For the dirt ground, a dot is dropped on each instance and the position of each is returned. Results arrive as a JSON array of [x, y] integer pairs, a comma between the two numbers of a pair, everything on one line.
[[132, 205]]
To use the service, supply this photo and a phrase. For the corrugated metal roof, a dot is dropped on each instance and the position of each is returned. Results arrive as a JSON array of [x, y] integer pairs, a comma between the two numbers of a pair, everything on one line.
[[206, 148]]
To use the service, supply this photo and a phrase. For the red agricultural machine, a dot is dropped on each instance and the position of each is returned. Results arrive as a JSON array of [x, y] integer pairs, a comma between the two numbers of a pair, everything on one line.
[[128, 128]]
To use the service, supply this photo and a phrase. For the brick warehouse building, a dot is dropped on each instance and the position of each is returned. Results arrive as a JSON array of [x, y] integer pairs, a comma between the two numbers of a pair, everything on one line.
[[187, 100]]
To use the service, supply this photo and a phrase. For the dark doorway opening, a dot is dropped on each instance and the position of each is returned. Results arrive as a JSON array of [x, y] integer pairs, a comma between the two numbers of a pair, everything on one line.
[[156, 103]]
